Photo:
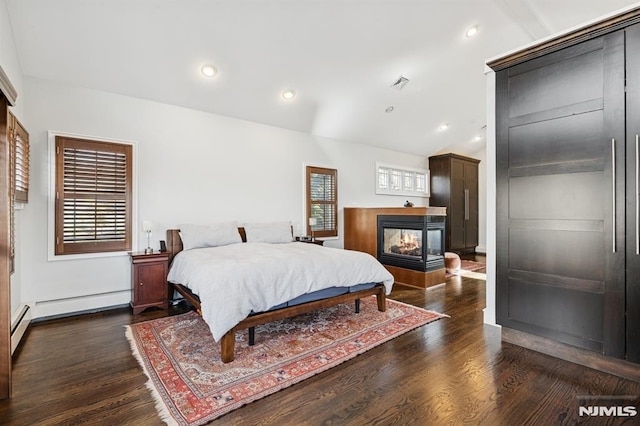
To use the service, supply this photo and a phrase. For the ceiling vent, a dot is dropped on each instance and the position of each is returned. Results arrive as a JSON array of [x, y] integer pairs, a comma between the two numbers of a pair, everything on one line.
[[400, 83]]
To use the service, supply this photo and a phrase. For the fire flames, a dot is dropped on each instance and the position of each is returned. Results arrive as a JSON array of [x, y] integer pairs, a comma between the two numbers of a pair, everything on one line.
[[409, 244]]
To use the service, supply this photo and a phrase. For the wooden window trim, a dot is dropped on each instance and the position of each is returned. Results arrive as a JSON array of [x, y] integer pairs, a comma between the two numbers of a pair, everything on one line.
[[12, 192], [333, 203], [92, 246], [5, 208]]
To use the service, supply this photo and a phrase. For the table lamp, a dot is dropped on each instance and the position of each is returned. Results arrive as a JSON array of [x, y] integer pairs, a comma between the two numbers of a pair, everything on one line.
[[146, 227], [312, 222]]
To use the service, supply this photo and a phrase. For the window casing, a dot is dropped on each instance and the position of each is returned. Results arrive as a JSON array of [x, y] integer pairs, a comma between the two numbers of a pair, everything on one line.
[[93, 196], [322, 201], [399, 180]]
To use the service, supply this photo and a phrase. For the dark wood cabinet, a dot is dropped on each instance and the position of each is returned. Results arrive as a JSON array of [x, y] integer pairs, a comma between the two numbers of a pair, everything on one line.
[[454, 185], [567, 213], [149, 281]]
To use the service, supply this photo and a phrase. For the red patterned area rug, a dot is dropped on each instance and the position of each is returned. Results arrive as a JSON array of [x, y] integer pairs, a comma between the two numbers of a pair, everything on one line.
[[192, 386]]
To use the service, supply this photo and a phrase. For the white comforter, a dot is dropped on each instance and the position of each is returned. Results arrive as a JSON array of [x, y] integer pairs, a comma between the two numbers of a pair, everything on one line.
[[233, 280]]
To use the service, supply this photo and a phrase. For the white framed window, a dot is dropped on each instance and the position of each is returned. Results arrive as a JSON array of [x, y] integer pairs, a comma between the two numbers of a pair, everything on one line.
[[400, 180]]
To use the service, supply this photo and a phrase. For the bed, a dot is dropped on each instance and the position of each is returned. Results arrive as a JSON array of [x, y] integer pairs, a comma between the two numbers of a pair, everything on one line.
[[252, 279]]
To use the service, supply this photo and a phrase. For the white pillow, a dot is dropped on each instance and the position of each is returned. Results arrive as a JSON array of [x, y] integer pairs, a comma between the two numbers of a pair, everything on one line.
[[218, 234], [271, 232]]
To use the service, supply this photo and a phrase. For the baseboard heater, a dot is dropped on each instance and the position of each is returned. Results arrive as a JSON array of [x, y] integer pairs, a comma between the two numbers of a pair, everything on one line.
[[19, 325]]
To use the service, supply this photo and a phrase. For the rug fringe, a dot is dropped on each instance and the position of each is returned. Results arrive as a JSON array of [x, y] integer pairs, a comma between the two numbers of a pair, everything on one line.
[[160, 406]]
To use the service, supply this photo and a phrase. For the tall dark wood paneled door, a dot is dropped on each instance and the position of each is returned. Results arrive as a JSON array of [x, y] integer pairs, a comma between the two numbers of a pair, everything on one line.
[[454, 185], [633, 193], [561, 195]]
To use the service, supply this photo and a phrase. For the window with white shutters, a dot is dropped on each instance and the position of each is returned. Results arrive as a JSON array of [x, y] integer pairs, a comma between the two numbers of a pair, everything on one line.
[[322, 201], [93, 196]]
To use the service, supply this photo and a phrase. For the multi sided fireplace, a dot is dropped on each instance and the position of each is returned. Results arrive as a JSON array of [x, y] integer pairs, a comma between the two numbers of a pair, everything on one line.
[[412, 242]]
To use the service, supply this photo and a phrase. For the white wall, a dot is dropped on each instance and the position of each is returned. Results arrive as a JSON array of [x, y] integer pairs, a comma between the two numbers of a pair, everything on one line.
[[9, 58], [482, 199], [191, 167], [490, 310], [11, 66]]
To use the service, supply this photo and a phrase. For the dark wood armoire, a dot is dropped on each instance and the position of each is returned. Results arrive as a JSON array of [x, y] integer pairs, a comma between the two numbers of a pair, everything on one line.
[[454, 185], [568, 192]]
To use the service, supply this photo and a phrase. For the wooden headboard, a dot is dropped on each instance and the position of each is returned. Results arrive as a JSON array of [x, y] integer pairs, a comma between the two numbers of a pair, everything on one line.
[[174, 242]]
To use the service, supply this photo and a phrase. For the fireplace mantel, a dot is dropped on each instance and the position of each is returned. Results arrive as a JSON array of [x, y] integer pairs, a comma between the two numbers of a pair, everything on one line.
[[361, 234]]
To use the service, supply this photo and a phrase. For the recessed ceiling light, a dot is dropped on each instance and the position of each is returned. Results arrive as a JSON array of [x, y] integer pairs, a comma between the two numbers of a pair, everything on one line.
[[208, 70], [288, 94], [443, 127], [472, 31], [389, 109]]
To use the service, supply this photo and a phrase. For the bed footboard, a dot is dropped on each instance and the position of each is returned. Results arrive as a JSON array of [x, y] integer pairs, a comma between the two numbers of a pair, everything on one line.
[[228, 340]]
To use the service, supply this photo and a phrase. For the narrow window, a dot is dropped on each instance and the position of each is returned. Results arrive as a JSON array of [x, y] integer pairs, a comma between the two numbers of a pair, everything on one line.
[[322, 201], [383, 178], [421, 183], [409, 181], [93, 196], [20, 162], [396, 180], [18, 173]]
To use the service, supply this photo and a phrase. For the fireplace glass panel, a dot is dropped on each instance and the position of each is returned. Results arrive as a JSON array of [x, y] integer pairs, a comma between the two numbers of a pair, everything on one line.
[[404, 242], [411, 242], [434, 244]]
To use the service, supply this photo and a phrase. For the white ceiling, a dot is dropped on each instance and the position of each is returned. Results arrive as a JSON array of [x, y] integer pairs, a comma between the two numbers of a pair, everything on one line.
[[340, 56]]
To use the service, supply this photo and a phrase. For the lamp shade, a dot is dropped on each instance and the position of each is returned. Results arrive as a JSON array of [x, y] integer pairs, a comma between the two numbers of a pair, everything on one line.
[[147, 225], [313, 221]]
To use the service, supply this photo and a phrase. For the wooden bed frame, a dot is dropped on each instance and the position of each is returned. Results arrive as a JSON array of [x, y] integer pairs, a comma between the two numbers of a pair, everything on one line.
[[174, 246]]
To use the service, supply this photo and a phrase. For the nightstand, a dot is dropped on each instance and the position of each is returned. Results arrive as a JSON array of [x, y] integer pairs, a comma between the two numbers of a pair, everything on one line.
[[149, 281]]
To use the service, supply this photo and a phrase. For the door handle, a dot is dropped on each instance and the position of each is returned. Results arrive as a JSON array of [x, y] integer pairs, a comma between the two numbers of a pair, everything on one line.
[[613, 190], [466, 204], [637, 224]]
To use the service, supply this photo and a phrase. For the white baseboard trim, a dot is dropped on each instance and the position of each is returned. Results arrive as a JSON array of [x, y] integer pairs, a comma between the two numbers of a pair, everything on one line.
[[19, 323], [85, 303], [78, 313], [489, 318]]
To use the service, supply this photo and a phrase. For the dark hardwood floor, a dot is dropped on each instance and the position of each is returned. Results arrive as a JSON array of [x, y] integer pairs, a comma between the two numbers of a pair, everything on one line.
[[454, 371]]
